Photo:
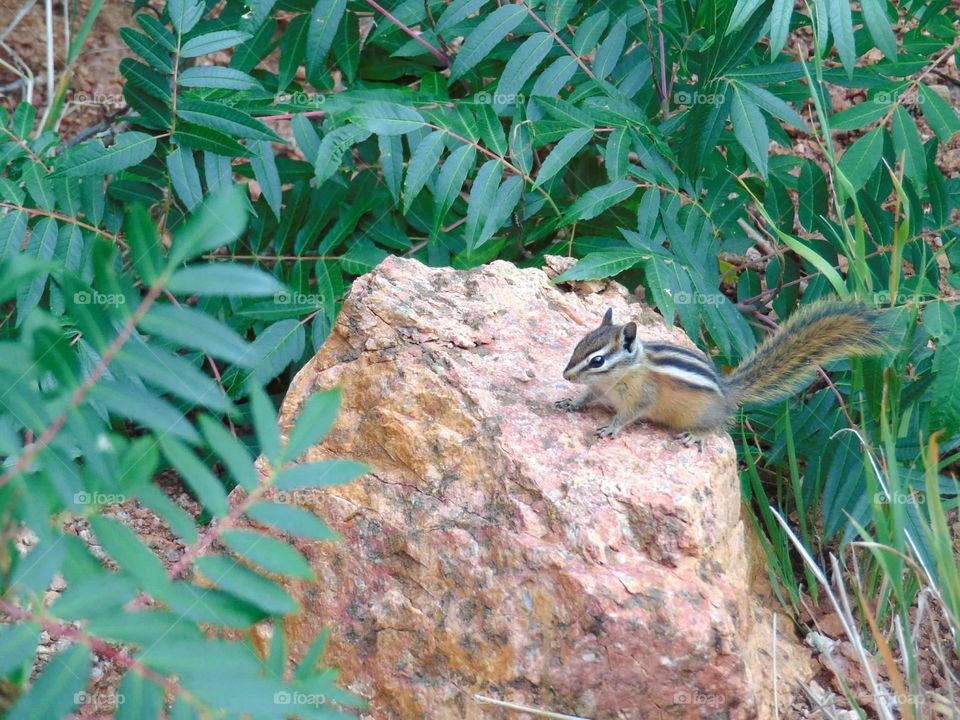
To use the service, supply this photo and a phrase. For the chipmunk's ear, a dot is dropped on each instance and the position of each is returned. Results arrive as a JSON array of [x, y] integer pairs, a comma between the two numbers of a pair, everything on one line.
[[629, 335], [607, 317]]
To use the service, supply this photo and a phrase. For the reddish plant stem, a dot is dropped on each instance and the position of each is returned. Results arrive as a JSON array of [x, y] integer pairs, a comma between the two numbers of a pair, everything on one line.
[[81, 392], [409, 31]]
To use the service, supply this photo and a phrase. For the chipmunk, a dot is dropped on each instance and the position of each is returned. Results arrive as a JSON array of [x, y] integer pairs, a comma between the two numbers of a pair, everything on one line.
[[681, 390]]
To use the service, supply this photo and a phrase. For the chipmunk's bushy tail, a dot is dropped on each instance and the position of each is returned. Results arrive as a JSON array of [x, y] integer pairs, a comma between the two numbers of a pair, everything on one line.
[[785, 362]]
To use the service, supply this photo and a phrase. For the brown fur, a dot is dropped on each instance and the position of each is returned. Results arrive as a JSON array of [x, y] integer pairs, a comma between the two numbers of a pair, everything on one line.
[[785, 362]]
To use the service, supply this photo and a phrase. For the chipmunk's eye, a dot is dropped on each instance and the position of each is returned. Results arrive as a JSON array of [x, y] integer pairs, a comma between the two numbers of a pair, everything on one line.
[[596, 361]]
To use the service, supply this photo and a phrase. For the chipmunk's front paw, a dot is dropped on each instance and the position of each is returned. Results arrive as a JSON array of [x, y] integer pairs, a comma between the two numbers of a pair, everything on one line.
[[688, 438], [569, 405], [607, 431]]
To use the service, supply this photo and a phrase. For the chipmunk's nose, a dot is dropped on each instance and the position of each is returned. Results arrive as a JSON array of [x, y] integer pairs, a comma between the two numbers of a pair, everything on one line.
[[566, 374]]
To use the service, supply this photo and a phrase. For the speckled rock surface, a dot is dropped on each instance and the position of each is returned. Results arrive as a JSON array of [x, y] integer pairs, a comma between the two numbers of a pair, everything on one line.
[[500, 549]]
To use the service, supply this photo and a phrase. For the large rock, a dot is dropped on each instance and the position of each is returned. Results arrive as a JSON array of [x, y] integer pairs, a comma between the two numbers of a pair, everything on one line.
[[498, 548]]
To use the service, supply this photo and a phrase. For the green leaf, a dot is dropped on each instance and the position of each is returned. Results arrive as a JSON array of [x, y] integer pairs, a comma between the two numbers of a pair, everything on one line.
[[19, 643], [171, 373], [485, 37], [597, 199], [332, 148], [276, 347], [212, 42], [197, 476], [604, 264], [265, 423], [589, 32], [217, 222], [320, 474], [213, 76], [227, 279], [232, 452], [908, 145], [269, 553], [562, 153], [521, 65], [265, 171], [142, 698], [37, 182], [293, 50], [647, 214], [386, 118], [860, 159], [742, 12], [750, 129], [104, 593], [92, 158], [133, 557], [290, 519], [945, 412], [779, 25], [41, 246], [423, 162], [841, 23], [812, 196], [939, 114], [491, 130], [132, 402], [362, 257], [57, 689], [391, 161], [143, 77], [450, 181], [508, 195], [148, 49], [314, 422], [773, 105], [13, 229], [145, 248], [185, 177], [181, 523], [184, 14], [324, 21], [858, 116], [610, 50], [879, 26], [246, 585], [224, 118], [190, 328], [483, 194], [307, 139], [203, 138], [616, 154], [457, 11]]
